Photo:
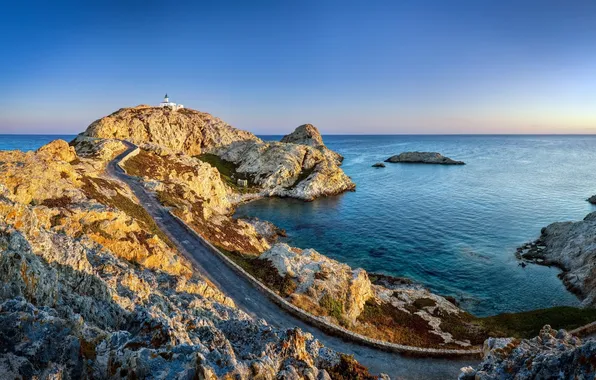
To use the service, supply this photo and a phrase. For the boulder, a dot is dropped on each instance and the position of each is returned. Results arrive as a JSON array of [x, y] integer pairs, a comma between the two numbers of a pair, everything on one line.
[[378, 165], [423, 158], [592, 199]]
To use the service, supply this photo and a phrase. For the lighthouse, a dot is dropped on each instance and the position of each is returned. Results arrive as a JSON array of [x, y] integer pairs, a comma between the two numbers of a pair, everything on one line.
[[166, 103]]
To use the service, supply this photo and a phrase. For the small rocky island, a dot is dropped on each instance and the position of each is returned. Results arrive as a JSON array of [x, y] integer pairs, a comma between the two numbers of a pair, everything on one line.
[[423, 158]]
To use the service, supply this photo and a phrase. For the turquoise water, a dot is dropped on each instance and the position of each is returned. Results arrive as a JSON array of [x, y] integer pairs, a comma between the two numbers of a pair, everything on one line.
[[453, 228], [29, 142]]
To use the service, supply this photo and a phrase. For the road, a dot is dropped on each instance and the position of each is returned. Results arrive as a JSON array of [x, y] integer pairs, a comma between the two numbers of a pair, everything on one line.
[[257, 304]]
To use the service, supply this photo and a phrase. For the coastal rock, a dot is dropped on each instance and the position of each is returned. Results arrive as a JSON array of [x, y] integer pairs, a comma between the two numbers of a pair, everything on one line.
[[321, 279], [266, 229], [423, 158], [378, 165], [550, 355], [57, 150], [89, 287], [572, 247], [592, 199], [306, 134], [184, 130], [279, 169], [288, 170]]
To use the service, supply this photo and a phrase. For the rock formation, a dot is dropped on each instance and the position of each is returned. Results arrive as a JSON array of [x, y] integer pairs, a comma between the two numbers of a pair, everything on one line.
[[592, 199], [185, 130], [306, 134], [347, 297], [288, 170], [301, 167], [423, 158], [572, 247], [550, 355], [316, 277], [91, 288], [378, 165]]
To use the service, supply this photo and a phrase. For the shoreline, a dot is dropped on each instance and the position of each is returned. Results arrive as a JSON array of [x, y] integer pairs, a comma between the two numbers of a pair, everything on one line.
[[550, 264]]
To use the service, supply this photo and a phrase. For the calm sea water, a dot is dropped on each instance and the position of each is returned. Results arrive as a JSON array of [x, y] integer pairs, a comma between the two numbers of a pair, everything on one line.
[[453, 228], [29, 142]]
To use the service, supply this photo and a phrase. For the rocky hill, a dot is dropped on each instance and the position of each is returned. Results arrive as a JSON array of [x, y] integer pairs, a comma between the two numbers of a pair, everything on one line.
[[300, 166], [184, 130], [91, 288]]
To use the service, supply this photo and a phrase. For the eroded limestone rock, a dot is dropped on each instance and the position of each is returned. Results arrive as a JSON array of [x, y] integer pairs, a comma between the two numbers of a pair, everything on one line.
[[550, 355]]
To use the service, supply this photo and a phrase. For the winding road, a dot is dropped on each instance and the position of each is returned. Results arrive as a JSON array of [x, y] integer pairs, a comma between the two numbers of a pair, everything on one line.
[[251, 300]]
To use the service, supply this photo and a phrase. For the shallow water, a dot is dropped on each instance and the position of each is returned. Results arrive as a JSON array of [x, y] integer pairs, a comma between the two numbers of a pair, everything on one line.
[[453, 228]]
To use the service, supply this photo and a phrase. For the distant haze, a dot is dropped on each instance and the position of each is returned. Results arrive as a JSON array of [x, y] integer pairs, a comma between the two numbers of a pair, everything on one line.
[[268, 66]]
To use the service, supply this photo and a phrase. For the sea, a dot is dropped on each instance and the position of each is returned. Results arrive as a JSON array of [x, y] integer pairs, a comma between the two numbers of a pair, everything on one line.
[[453, 229]]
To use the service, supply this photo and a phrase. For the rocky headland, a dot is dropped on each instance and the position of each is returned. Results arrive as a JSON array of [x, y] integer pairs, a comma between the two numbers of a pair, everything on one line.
[[423, 158], [91, 288], [201, 191], [299, 167], [570, 246]]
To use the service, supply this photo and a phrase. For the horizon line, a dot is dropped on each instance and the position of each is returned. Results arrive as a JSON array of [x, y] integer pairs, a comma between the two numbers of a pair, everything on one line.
[[358, 134]]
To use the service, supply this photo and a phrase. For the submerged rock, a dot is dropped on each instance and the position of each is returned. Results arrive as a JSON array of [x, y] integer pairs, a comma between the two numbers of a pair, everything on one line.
[[423, 158], [378, 165], [550, 355]]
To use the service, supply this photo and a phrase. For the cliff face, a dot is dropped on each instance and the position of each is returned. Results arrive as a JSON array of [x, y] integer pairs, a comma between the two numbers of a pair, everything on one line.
[[185, 130], [90, 288]]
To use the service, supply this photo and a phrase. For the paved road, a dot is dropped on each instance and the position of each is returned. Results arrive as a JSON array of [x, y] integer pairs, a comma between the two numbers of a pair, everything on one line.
[[257, 304]]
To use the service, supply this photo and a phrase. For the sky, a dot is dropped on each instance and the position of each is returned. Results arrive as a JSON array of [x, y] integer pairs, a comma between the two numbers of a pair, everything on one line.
[[369, 67]]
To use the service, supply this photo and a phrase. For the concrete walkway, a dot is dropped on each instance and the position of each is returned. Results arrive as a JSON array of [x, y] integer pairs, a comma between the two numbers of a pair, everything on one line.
[[257, 304]]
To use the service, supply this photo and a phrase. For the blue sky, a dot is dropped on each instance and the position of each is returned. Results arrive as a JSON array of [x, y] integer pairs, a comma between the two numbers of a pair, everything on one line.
[[268, 66]]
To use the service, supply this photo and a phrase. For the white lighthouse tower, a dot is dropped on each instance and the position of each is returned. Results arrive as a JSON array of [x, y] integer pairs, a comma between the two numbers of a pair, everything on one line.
[[166, 103]]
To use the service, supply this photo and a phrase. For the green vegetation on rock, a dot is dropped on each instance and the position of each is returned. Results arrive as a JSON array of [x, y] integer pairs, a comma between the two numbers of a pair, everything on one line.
[[229, 172]]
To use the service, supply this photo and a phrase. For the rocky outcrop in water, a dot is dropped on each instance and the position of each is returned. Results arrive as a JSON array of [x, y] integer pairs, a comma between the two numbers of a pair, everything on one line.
[[423, 158], [592, 199], [550, 355], [572, 247], [378, 165], [184, 130], [91, 288]]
